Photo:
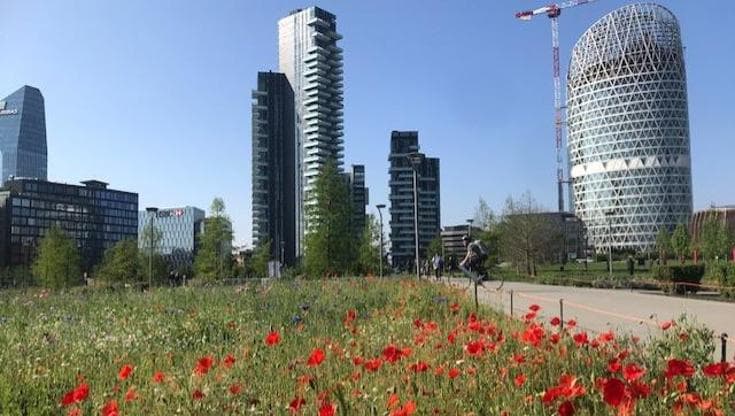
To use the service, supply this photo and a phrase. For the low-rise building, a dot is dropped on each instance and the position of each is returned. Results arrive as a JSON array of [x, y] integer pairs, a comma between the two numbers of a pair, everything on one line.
[[179, 230]]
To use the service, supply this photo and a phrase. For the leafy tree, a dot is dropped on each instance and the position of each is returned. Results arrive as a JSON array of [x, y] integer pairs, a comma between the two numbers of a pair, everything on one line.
[[680, 242], [715, 239], [663, 244], [524, 234], [57, 264], [151, 239], [213, 260], [368, 252], [435, 247], [484, 216], [260, 259], [329, 243], [121, 264]]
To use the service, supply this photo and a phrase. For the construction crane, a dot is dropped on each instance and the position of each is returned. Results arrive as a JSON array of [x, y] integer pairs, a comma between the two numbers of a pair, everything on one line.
[[553, 11]]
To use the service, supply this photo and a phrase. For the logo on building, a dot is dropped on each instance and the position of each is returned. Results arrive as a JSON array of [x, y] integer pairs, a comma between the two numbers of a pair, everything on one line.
[[176, 212], [4, 111]]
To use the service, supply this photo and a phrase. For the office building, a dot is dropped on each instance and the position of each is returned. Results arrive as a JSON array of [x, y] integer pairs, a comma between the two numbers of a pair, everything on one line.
[[178, 229], [628, 124], [311, 60], [23, 135], [725, 215], [452, 244], [360, 197], [402, 237], [93, 215], [274, 172]]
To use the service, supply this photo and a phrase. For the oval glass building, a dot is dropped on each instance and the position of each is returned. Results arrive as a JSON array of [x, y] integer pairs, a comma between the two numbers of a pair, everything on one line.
[[628, 128]]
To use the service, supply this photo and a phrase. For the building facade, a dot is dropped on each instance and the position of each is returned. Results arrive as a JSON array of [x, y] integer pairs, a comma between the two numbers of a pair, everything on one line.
[[401, 211], [179, 230], [452, 243], [274, 166], [360, 196], [23, 135], [628, 128], [93, 215], [311, 60], [725, 215]]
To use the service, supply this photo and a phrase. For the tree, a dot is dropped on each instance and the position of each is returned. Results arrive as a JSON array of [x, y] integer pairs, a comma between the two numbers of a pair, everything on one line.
[[151, 239], [524, 233], [368, 251], [715, 239], [213, 260], [57, 264], [663, 244], [680, 242], [121, 264], [329, 247], [484, 216], [260, 259]]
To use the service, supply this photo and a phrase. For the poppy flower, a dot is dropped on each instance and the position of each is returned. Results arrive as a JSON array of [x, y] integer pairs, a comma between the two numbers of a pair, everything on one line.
[[676, 367], [566, 409], [158, 377], [555, 321], [296, 404], [554, 338], [632, 372], [407, 409], [391, 353], [273, 338], [197, 395], [235, 389], [419, 367], [475, 347], [350, 316], [77, 395], [608, 336], [613, 392], [639, 390], [454, 307], [519, 380], [666, 325], [715, 370], [203, 365], [229, 361], [125, 372], [453, 373], [519, 358], [614, 365], [74, 412], [327, 409], [316, 357], [571, 323], [110, 409], [392, 402], [581, 339], [373, 365], [131, 395], [533, 335], [534, 308]]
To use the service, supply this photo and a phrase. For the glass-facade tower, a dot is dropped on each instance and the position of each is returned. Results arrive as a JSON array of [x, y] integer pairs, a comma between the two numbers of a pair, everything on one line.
[[311, 60], [23, 135], [628, 123], [179, 229]]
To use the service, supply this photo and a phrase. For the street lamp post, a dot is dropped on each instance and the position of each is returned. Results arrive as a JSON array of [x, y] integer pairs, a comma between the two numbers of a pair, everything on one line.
[[416, 160], [380, 214], [151, 235], [469, 228], [608, 215]]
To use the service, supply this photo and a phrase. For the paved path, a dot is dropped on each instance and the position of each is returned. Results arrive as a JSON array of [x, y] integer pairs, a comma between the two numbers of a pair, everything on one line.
[[633, 311]]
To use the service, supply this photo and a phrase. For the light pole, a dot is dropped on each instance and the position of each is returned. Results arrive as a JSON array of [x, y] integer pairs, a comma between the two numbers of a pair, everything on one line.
[[151, 211], [416, 160], [608, 215], [469, 228], [380, 214]]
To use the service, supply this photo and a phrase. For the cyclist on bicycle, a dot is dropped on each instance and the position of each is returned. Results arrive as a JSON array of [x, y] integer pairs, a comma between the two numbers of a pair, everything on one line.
[[472, 264]]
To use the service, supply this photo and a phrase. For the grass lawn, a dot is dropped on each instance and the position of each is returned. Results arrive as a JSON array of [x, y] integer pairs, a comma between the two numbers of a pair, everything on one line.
[[353, 346]]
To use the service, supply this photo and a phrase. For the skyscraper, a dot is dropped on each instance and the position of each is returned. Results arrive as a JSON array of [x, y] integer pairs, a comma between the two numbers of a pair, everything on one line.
[[311, 60], [360, 196], [23, 135], [629, 128], [402, 237], [274, 175]]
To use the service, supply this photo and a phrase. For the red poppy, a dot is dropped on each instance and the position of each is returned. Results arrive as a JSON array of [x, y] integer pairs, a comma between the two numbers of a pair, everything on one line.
[[581, 339], [373, 365], [554, 338], [203, 365], [632, 372], [571, 323], [393, 401], [74, 412], [235, 389], [716, 370], [357, 360], [639, 390], [454, 307], [273, 338], [419, 367], [197, 395], [316, 357], [529, 316], [519, 380], [606, 336], [110, 409], [229, 361], [131, 395], [296, 404], [666, 325], [407, 409], [327, 409], [158, 377], [676, 367], [350, 316], [533, 334], [475, 347], [534, 308], [566, 409], [77, 395], [519, 358], [613, 392], [555, 321], [453, 373], [125, 372]]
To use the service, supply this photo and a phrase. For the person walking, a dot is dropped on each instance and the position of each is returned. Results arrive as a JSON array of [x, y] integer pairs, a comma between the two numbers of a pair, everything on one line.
[[437, 263]]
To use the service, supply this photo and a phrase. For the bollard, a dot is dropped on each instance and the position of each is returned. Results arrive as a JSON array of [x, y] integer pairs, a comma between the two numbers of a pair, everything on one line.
[[511, 303], [723, 346], [561, 314]]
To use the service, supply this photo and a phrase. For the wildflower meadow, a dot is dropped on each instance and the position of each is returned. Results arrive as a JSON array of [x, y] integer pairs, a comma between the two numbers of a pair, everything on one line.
[[337, 347]]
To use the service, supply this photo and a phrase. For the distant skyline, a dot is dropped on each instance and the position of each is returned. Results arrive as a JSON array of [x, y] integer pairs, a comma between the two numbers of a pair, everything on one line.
[[154, 97]]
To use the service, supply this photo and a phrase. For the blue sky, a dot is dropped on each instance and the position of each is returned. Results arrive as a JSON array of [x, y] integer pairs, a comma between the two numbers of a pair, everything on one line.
[[154, 96]]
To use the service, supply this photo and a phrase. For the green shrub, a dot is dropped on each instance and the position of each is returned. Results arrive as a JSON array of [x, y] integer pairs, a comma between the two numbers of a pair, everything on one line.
[[672, 274]]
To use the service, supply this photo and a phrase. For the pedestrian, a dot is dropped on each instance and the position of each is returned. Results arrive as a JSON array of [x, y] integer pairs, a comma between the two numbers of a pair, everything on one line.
[[437, 263]]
